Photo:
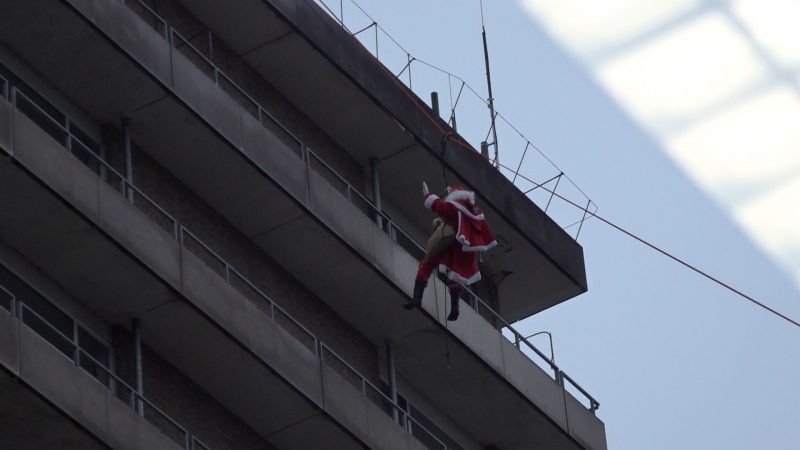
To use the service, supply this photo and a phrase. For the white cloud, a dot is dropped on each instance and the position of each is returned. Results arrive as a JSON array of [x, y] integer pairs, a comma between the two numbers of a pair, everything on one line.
[[747, 147], [683, 72], [774, 220], [775, 24], [592, 25], [739, 116]]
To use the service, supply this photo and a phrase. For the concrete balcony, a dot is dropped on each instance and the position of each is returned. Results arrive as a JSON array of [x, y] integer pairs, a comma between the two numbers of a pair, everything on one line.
[[122, 263], [50, 402], [236, 163]]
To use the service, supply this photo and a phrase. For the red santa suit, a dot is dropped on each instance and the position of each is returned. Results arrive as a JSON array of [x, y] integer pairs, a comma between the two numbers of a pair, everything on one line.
[[460, 261]]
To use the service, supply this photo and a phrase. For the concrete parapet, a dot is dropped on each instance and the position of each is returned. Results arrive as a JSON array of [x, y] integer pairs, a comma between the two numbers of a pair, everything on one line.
[[83, 398], [9, 342], [6, 127]]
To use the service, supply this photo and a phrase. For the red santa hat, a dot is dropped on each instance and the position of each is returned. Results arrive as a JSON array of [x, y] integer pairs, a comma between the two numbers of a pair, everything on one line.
[[459, 194]]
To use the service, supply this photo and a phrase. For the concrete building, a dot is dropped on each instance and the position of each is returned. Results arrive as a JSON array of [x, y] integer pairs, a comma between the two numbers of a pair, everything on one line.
[[210, 223]]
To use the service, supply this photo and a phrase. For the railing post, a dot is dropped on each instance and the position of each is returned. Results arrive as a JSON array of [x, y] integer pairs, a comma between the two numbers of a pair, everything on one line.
[[376, 190], [103, 159], [552, 194], [137, 364], [75, 343], [585, 211], [377, 54], [410, 60], [68, 137], [435, 103], [307, 154], [126, 136], [485, 149], [390, 369], [210, 45]]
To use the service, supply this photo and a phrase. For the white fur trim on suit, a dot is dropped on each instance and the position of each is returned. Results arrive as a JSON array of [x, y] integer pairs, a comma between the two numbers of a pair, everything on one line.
[[452, 276], [430, 199], [457, 196], [480, 248], [463, 239], [467, 212]]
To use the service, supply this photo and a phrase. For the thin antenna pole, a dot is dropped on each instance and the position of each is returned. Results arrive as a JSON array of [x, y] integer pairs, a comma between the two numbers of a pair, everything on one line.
[[489, 84]]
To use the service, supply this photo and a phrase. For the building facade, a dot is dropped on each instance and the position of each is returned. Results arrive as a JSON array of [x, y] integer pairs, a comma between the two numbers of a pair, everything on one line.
[[211, 221]]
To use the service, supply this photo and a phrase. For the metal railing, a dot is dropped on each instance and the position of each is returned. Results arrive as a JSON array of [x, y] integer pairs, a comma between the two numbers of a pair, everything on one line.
[[231, 274], [403, 238], [228, 272], [21, 311], [159, 24], [74, 144], [366, 206], [253, 107], [404, 418], [9, 300], [76, 328]]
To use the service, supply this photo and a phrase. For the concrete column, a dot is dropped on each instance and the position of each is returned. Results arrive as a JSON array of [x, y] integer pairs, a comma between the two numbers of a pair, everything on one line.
[[376, 190], [390, 370], [137, 364], [126, 135]]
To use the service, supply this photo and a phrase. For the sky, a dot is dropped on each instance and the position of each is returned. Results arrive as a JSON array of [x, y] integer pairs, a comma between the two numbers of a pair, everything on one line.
[[679, 119]]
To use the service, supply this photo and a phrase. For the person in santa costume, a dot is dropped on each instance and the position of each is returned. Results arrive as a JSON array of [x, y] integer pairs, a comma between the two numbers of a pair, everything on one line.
[[458, 261]]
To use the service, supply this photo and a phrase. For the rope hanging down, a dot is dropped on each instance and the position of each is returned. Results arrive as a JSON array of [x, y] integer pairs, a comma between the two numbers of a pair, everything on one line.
[[448, 136]]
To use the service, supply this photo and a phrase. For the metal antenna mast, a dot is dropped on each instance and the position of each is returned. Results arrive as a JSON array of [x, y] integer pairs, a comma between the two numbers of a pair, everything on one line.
[[489, 84]]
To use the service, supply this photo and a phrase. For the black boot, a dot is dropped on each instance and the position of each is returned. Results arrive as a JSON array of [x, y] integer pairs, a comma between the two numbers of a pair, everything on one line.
[[454, 297], [416, 300]]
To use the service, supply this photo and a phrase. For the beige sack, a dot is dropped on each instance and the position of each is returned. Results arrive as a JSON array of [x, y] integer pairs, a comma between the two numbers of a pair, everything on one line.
[[441, 238]]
